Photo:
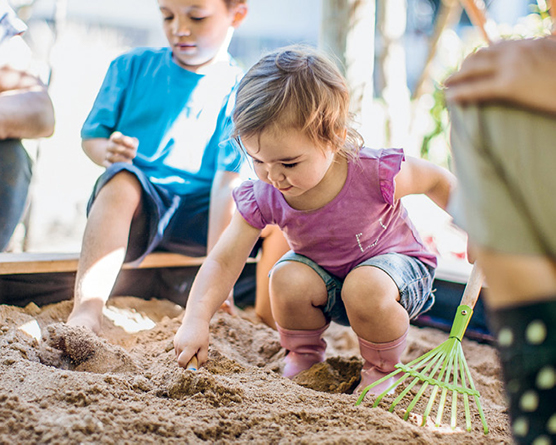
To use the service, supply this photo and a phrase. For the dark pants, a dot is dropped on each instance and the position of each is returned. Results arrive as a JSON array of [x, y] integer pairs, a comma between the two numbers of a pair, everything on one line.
[[15, 177]]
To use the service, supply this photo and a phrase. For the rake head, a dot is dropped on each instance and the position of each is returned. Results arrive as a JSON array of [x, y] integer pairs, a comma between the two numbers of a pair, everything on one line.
[[443, 369]]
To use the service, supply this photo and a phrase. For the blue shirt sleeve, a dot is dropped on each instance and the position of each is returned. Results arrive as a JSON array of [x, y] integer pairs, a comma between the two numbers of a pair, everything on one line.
[[103, 118]]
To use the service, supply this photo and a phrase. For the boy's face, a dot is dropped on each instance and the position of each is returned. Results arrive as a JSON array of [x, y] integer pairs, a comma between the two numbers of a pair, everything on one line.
[[197, 29]]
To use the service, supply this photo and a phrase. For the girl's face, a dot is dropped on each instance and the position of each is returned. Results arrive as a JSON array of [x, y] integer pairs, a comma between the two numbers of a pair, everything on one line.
[[197, 30], [289, 161]]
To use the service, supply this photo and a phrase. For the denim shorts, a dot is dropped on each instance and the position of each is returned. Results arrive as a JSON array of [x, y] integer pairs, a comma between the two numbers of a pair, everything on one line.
[[174, 223], [412, 277]]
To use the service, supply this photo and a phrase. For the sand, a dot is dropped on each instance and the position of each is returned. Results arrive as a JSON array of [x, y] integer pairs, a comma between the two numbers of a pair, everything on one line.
[[64, 385]]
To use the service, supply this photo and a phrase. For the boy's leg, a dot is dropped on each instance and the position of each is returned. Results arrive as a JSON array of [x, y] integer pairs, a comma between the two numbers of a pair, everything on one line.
[[274, 246], [504, 161], [104, 248]]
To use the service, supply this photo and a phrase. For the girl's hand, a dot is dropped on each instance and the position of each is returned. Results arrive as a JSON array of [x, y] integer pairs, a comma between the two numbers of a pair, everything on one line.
[[120, 148], [191, 339]]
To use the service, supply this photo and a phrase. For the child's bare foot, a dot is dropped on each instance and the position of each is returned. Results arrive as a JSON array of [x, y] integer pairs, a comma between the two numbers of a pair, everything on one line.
[[88, 315], [229, 306]]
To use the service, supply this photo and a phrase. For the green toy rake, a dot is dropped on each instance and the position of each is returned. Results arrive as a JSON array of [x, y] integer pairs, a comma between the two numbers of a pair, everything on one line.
[[443, 369]]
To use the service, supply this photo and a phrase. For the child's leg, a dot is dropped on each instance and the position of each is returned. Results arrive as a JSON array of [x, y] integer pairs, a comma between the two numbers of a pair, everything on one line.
[[521, 298], [380, 297], [381, 323], [273, 248], [104, 248], [15, 177], [504, 160], [372, 304], [297, 294]]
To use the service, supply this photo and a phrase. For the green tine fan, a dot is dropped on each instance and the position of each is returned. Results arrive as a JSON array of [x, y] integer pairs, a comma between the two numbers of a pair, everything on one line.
[[444, 368]]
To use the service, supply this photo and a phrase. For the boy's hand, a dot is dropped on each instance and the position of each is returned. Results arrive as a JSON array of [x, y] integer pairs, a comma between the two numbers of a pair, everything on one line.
[[120, 148], [191, 339]]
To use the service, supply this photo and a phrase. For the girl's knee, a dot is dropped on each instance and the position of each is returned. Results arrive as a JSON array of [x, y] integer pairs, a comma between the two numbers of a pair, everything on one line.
[[292, 283], [369, 293]]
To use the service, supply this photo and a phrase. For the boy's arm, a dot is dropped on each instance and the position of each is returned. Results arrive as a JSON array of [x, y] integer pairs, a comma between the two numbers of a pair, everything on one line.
[[105, 152], [418, 176], [211, 287]]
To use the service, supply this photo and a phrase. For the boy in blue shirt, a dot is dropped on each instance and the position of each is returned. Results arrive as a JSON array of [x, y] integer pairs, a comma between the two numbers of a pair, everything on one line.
[[160, 125]]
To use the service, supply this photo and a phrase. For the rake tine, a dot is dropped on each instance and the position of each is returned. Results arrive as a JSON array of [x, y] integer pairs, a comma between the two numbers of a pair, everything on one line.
[[450, 360], [453, 421], [430, 405], [465, 396], [433, 395], [443, 367], [418, 376], [420, 361], [476, 397], [378, 382], [390, 388], [423, 388]]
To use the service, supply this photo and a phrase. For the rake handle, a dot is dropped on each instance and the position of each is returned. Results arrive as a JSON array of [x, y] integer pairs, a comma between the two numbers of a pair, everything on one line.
[[473, 287], [476, 11]]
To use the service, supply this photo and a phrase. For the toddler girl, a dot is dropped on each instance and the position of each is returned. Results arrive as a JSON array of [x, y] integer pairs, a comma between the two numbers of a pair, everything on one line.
[[355, 257]]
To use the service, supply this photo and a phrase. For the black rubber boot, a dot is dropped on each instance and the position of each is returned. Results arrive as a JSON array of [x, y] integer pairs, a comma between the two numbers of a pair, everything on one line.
[[527, 344]]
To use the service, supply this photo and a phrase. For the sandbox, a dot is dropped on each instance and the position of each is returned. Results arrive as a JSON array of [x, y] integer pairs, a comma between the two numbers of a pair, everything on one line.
[[67, 386]]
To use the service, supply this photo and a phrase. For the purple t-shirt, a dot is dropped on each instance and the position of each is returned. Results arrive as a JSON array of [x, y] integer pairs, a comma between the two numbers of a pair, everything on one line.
[[361, 222]]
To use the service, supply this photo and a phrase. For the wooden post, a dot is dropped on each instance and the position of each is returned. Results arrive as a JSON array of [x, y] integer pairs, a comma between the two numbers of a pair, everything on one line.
[[392, 20], [450, 11], [347, 32]]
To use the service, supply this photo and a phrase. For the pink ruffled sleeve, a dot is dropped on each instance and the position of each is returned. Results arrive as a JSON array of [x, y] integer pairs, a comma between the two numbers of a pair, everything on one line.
[[389, 166], [247, 205]]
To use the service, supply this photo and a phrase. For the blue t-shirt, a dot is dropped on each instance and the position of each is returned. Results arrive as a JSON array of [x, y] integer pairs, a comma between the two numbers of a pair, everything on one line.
[[181, 119]]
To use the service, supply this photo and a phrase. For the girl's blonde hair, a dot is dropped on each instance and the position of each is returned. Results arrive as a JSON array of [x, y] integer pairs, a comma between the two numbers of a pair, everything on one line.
[[298, 87], [231, 3]]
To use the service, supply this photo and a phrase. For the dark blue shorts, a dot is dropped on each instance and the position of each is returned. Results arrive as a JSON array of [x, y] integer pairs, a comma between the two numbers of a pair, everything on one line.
[[174, 223], [15, 177]]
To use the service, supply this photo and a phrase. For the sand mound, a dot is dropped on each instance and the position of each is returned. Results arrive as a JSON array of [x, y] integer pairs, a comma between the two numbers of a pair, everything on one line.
[[66, 386]]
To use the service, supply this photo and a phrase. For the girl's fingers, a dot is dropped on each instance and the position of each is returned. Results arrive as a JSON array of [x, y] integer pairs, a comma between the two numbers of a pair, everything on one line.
[[184, 358]]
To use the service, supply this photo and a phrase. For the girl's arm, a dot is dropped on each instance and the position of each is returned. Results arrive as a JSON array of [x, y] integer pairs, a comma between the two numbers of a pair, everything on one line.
[[220, 214], [211, 287], [221, 205], [418, 176]]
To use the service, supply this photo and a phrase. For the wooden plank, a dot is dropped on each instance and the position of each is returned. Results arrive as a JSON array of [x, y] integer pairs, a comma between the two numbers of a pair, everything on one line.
[[26, 263]]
